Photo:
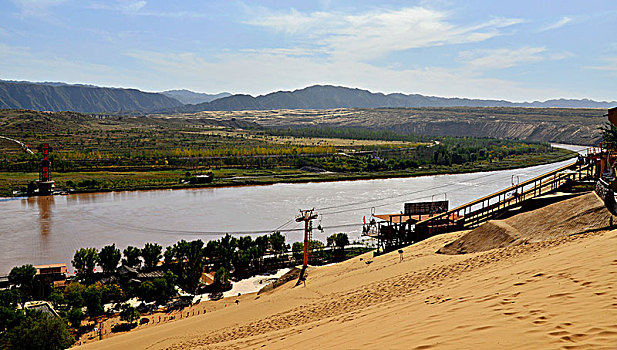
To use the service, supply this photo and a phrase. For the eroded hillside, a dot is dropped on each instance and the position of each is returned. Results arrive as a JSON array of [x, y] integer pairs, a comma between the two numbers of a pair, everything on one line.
[[564, 125]]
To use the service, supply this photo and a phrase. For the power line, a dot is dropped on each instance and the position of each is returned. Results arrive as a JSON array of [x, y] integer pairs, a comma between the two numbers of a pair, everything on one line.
[[403, 194]]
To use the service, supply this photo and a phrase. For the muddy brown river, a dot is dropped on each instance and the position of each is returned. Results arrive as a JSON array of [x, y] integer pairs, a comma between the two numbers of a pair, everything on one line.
[[43, 230]]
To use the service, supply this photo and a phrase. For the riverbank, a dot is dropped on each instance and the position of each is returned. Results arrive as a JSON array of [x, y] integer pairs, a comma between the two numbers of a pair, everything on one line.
[[105, 181], [548, 292]]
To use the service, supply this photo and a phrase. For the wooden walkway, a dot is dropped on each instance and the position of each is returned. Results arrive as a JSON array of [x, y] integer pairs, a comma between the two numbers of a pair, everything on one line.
[[476, 212]]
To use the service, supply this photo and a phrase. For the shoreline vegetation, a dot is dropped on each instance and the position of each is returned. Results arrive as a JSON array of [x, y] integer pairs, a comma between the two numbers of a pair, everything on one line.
[[171, 179], [120, 153]]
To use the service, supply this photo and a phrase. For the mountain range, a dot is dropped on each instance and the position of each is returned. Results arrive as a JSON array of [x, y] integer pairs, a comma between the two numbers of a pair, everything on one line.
[[190, 97], [80, 98], [327, 97], [94, 99]]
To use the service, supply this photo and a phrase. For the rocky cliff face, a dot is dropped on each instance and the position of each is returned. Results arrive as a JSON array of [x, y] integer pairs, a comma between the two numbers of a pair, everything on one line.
[[539, 131]]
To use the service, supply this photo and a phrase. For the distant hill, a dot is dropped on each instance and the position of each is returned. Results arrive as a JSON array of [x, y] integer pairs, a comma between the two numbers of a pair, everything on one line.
[[190, 97], [327, 97], [80, 98], [53, 96]]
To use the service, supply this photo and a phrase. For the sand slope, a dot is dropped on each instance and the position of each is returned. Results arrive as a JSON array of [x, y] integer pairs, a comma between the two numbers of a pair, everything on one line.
[[580, 214], [558, 293]]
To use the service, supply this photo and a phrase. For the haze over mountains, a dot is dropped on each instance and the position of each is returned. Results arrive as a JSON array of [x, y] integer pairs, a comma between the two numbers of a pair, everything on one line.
[[93, 99], [327, 97], [190, 97]]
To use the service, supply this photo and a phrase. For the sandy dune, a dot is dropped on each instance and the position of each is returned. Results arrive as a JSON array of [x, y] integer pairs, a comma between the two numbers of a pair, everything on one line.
[[554, 293], [584, 213]]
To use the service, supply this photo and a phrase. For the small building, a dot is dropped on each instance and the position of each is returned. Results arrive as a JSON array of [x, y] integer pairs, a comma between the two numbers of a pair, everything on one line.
[[4, 282], [201, 179], [51, 269], [42, 306], [398, 230], [135, 276], [50, 274], [150, 275]]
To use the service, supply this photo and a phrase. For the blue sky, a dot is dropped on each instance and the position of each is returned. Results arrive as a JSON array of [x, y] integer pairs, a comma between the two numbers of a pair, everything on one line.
[[514, 50]]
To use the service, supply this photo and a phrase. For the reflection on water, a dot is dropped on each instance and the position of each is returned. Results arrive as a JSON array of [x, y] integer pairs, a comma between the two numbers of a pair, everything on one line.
[[45, 206], [50, 229]]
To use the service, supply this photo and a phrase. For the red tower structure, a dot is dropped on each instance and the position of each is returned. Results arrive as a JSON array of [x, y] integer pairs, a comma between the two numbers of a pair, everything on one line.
[[307, 216], [45, 184]]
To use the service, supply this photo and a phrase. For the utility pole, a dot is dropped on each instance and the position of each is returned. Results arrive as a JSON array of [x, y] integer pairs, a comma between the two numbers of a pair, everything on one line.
[[307, 216]]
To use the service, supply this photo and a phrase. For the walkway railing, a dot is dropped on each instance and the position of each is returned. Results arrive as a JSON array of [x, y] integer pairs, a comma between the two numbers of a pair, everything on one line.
[[483, 209]]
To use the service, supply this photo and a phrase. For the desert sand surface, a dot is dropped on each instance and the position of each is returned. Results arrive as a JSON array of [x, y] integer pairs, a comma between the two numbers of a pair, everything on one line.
[[576, 215], [551, 292]]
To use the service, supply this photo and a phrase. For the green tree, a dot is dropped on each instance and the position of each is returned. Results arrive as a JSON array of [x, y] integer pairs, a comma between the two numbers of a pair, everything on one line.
[[73, 293], [245, 242], [158, 290], [84, 262], [57, 297], [165, 289], [242, 260], [297, 249], [131, 257], [221, 278], [277, 242], [23, 277], [227, 248], [186, 260], [338, 240], [129, 313], [193, 265], [9, 317], [146, 291], [262, 244], [169, 257], [93, 298], [112, 292], [151, 253], [9, 314], [212, 252], [41, 332], [109, 257], [75, 316]]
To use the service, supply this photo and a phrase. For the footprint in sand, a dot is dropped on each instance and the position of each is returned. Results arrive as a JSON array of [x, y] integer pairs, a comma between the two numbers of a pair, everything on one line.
[[559, 333]]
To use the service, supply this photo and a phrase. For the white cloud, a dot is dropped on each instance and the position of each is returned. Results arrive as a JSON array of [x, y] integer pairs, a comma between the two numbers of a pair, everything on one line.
[[562, 22], [124, 6], [377, 33], [259, 73], [611, 64], [36, 8], [501, 58], [137, 8]]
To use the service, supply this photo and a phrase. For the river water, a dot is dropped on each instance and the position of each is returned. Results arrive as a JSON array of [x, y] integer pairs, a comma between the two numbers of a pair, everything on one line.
[[43, 230]]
